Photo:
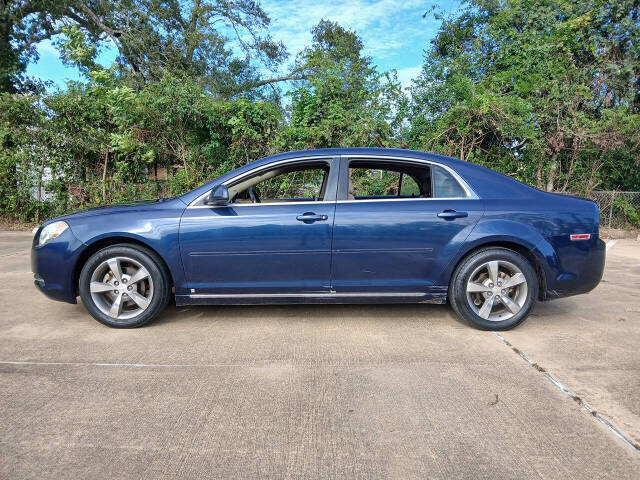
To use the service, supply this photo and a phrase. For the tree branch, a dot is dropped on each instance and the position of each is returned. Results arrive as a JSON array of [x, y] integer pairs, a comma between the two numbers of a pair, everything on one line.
[[114, 34], [284, 78], [38, 38], [295, 74]]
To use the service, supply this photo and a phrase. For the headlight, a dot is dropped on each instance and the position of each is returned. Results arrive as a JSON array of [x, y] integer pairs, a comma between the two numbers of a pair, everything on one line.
[[52, 231]]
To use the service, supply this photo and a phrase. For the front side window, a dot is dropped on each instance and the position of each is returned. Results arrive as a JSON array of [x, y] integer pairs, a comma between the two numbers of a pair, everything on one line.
[[289, 183]]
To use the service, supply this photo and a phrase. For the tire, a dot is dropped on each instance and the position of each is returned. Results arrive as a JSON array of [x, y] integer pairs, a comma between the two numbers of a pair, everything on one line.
[[510, 299], [134, 303]]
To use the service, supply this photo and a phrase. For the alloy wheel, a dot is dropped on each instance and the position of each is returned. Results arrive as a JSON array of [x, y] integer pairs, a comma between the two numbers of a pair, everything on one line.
[[121, 288], [497, 290]]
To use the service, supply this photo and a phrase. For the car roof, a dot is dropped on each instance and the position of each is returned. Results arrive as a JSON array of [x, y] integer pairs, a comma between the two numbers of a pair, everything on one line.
[[358, 151]]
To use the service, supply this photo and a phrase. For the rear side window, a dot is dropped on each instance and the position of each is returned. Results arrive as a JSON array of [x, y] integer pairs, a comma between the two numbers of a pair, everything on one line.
[[409, 187], [445, 186], [388, 180]]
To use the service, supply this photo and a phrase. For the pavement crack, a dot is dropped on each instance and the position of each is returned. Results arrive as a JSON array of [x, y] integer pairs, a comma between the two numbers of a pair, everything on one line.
[[570, 393]]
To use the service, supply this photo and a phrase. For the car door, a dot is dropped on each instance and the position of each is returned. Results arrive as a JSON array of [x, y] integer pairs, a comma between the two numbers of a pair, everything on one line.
[[390, 241], [278, 246]]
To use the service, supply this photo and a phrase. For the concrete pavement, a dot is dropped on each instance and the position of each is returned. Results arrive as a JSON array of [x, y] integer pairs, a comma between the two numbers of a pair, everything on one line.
[[398, 391]]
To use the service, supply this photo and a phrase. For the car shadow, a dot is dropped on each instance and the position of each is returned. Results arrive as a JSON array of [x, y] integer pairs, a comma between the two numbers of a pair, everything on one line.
[[543, 312], [552, 311], [310, 312]]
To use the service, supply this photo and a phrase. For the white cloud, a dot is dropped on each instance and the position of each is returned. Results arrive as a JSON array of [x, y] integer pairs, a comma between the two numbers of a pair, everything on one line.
[[385, 26], [405, 75], [46, 48]]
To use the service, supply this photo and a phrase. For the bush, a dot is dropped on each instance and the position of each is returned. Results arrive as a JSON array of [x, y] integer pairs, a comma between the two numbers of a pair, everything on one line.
[[629, 212]]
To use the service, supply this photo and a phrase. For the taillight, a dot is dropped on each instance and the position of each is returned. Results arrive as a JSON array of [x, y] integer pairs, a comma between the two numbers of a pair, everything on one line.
[[580, 236]]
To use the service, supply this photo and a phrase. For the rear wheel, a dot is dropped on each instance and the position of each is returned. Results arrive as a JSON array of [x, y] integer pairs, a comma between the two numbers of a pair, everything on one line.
[[494, 289], [124, 286]]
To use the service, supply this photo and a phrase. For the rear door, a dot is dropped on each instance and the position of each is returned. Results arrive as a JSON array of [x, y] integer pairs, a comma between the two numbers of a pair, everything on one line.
[[274, 238], [397, 225]]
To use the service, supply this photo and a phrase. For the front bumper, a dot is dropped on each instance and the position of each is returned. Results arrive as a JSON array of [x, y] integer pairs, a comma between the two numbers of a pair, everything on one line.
[[53, 266]]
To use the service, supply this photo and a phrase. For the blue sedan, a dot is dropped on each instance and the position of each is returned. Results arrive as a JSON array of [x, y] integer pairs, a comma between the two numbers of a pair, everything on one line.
[[329, 226]]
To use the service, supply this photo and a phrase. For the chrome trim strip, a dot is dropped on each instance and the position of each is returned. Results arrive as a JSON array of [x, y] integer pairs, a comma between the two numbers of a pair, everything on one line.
[[320, 202], [390, 199], [403, 199], [306, 295]]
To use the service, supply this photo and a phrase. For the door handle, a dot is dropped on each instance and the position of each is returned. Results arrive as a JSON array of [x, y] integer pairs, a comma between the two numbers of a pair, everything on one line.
[[310, 217], [451, 214]]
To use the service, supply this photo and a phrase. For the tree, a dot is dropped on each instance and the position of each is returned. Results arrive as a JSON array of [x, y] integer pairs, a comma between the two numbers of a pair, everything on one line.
[[181, 37], [189, 38], [24, 23], [543, 90], [343, 101], [22, 154]]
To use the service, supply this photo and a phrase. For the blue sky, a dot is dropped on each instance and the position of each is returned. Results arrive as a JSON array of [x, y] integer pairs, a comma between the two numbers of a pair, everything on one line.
[[394, 33]]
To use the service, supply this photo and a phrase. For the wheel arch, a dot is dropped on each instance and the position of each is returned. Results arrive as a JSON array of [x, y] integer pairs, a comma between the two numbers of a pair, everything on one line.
[[516, 247], [517, 236], [104, 242]]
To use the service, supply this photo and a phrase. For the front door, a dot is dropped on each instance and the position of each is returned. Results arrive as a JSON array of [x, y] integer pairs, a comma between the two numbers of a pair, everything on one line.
[[273, 238], [397, 227]]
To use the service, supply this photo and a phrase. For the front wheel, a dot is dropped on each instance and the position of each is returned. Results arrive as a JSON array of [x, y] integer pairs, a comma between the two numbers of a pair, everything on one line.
[[124, 286], [494, 289]]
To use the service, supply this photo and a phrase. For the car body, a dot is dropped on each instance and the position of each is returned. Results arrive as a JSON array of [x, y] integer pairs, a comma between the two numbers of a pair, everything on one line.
[[336, 246]]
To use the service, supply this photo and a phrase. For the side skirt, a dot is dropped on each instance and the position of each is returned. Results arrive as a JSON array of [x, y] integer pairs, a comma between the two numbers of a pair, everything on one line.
[[437, 296]]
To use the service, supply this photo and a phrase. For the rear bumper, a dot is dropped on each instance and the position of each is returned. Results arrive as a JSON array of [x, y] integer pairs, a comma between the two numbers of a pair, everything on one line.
[[582, 265], [53, 266]]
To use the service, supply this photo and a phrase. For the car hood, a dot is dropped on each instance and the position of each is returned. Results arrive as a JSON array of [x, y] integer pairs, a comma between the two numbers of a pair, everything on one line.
[[123, 207]]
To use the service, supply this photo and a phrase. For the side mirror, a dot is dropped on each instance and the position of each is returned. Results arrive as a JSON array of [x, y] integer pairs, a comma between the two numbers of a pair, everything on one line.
[[218, 196]]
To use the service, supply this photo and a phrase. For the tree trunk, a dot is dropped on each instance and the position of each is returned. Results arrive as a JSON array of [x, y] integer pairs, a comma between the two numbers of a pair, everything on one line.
[[552, 174], [104, 177], [193, 25], [6, 51], [39, 194], [183, 157], [539, 176]]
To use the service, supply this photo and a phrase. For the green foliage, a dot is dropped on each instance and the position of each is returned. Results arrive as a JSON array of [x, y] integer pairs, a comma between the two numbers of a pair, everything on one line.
[[24, 23], [101, 140], [296, 184], [345, 101], [367, 182], [153, 38], [628, 211], [546, 91], [543, 90], [24, 154]]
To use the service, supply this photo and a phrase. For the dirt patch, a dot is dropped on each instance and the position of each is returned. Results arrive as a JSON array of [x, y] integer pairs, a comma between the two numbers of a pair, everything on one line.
[[618, 234], [9, 223]]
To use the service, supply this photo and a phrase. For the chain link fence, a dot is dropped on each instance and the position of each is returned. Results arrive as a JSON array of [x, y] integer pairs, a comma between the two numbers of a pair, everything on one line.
[[618, 209]]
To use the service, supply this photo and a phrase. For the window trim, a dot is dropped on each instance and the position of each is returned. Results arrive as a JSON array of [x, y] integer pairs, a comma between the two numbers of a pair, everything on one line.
[[346, 159], [402, 175], [335, 181], [331, 188], [320, 165]]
